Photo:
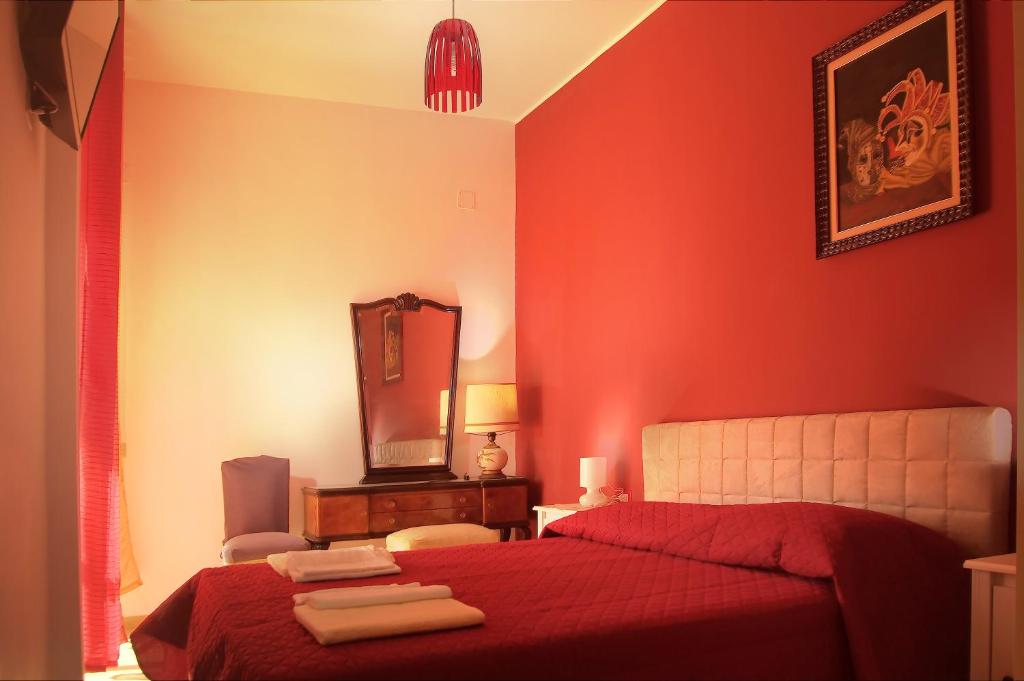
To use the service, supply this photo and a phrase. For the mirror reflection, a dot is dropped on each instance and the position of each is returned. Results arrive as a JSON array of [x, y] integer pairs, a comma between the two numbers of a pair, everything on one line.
[[407, 355]]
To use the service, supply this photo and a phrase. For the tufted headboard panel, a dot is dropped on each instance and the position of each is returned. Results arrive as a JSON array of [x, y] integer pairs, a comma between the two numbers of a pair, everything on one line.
[[947, 469]]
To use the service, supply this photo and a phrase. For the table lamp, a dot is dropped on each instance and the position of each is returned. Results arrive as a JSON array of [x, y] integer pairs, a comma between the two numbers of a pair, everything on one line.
[[491, 408], [593, 476]]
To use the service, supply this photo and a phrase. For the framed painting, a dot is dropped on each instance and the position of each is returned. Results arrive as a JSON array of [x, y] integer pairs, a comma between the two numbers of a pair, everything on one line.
[[892, 128], [394, 345]]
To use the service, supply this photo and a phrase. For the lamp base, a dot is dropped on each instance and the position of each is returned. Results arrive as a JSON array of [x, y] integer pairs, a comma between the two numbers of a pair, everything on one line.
[[592, 498], [491, 459]]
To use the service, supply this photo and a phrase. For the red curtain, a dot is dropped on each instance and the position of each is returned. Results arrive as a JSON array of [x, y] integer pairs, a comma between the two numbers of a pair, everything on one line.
[[99, 260]]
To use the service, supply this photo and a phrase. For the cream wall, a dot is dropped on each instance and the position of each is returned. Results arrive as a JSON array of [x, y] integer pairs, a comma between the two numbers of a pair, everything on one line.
[[39, 630], [250, 223]]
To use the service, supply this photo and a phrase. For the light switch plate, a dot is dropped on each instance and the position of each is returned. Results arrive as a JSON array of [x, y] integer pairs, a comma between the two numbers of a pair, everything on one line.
[[467, 199]]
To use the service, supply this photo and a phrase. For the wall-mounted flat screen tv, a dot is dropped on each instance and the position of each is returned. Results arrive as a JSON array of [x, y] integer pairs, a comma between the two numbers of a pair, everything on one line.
[[64, 46]]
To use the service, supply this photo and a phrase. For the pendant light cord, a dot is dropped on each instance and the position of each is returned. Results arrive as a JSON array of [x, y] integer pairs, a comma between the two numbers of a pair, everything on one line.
[[453, 9]]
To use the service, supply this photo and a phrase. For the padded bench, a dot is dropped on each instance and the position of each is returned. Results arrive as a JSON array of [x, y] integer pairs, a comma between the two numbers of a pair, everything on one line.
[[435, 536]]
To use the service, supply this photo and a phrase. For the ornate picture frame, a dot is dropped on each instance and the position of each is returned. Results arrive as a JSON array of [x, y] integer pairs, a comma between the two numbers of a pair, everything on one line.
[[892, 142], [392, 345]]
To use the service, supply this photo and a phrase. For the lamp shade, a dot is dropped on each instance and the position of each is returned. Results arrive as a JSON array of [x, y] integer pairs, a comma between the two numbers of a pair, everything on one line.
[[491, 408], [444, 412], [453, 76], [593, 472]]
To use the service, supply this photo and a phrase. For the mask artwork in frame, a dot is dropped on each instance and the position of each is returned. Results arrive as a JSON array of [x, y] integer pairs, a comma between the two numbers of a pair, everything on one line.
[[892, 134]]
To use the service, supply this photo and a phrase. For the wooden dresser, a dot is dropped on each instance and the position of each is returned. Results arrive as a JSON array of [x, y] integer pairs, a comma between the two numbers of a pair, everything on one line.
[[376, 510]]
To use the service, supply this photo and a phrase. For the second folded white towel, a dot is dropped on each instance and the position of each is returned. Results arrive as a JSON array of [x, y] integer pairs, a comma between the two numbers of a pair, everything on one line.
[[364, 596], [348, 563]]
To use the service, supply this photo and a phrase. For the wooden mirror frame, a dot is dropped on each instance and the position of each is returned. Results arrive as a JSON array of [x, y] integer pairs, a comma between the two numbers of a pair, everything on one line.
[[406, 302]]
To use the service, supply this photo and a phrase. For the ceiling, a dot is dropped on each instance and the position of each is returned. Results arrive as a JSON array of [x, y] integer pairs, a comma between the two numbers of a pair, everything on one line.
[[371, 51]]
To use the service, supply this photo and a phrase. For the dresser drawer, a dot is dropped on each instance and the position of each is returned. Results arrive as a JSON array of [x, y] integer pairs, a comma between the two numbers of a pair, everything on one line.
[[333, 515], [389, 522], [505, 504], [423, 501]]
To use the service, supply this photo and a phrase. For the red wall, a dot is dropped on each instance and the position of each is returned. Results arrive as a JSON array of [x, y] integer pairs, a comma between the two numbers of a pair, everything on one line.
[[665, 246]]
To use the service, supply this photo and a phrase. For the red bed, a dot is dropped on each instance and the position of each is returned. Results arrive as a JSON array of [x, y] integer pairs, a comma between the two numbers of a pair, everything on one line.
[[641, 590]]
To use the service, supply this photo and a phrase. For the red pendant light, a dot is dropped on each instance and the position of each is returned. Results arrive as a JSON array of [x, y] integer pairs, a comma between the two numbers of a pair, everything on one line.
[[453, 79]]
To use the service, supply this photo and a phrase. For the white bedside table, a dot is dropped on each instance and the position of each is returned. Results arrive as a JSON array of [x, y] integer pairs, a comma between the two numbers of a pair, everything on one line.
[[552, 512], [993, 600]]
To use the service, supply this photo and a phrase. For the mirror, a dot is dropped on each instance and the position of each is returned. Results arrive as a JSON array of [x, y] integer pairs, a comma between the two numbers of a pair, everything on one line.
[[407, 352]]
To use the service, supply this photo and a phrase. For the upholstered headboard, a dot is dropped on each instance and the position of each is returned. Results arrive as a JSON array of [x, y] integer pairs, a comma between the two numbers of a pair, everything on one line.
[[947, 469]]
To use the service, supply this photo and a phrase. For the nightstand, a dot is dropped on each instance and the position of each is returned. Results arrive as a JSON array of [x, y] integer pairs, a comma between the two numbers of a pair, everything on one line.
[[993, 600], [552, 512]]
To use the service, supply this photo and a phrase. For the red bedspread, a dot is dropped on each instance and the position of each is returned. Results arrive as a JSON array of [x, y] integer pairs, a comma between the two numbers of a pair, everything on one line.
[[642, 590], [901, 587]]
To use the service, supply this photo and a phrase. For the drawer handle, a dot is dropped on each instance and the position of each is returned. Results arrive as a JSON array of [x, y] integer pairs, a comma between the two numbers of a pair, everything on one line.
[[391, 521], [462, 500], [392, 503], [462, 516]]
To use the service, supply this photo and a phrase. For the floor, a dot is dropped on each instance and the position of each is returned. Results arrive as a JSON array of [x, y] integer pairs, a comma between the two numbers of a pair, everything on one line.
[[127, 668]]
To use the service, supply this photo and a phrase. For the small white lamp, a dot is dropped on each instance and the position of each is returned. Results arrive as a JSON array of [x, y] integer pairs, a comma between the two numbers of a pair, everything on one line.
[[593, 476], [491, 408]]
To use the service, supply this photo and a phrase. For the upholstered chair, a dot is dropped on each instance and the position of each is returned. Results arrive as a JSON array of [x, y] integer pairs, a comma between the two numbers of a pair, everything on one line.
[[256, 509]]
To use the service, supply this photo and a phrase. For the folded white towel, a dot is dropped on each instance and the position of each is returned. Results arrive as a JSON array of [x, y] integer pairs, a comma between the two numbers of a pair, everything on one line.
[[279, 561], [300, 599], [348, 563], [328, 573], [361, 597], [355, 557], [354, 624]]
